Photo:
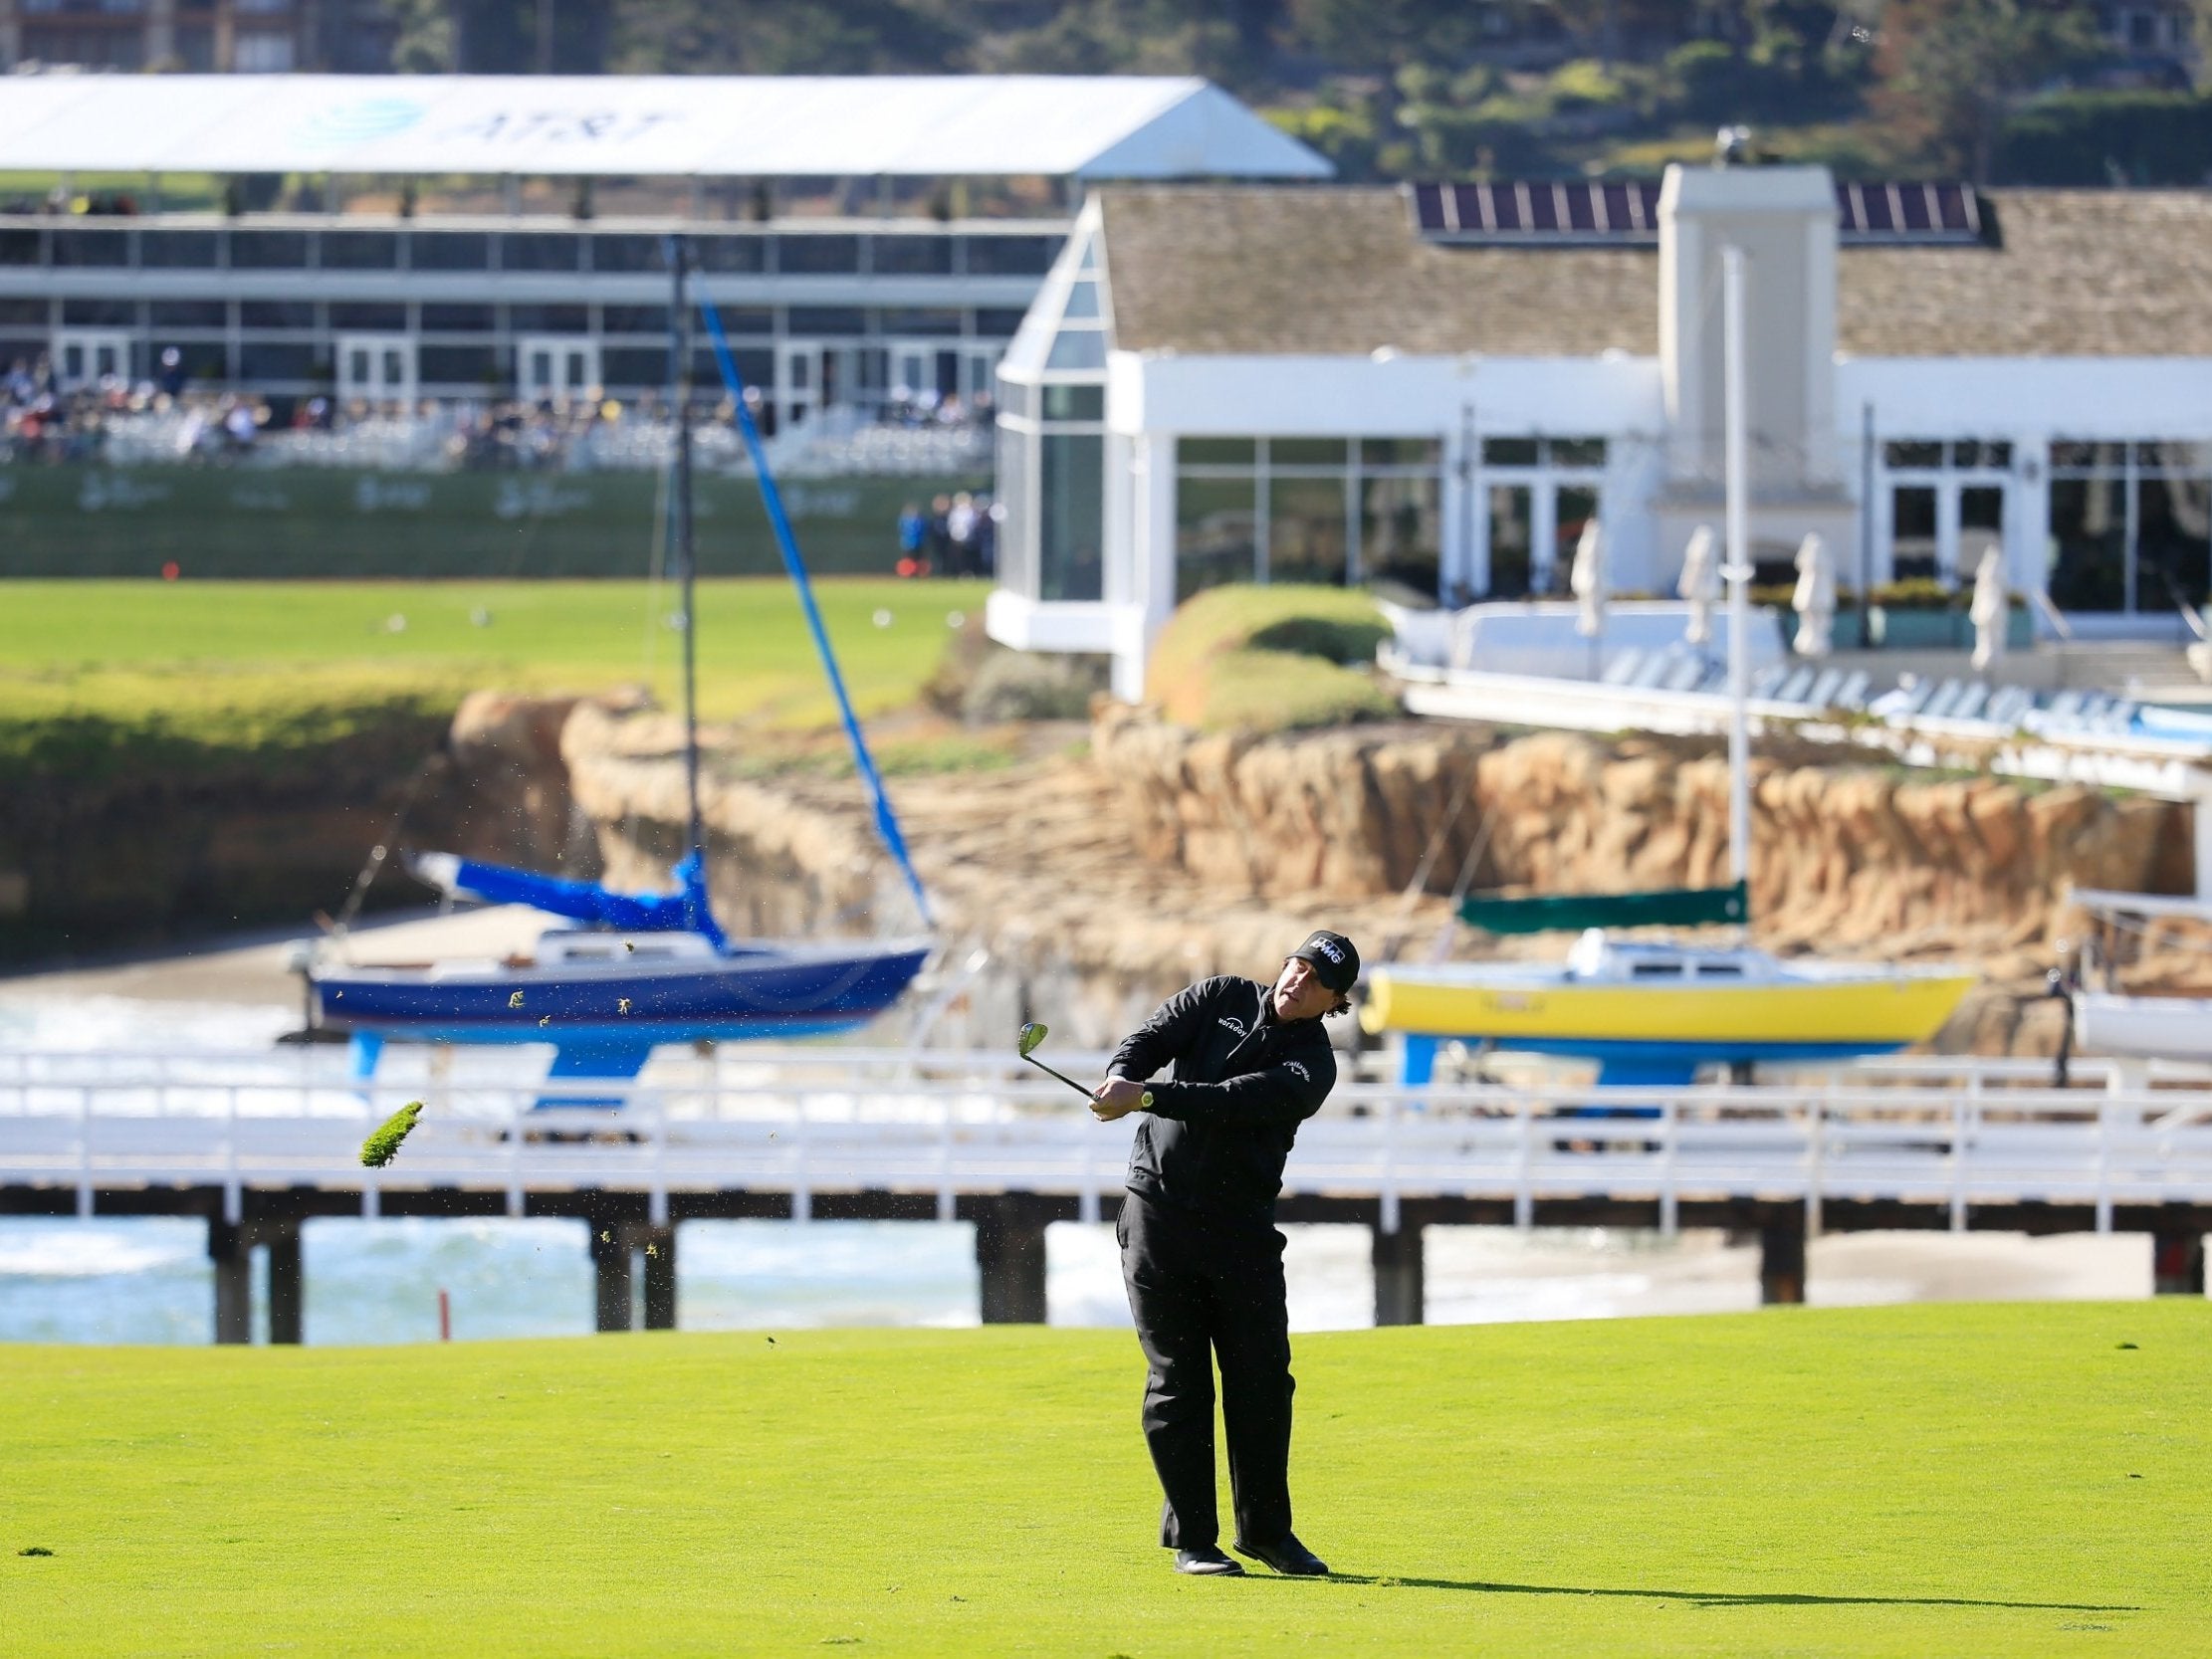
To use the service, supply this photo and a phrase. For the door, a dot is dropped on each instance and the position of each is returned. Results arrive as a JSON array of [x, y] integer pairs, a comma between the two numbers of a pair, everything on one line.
[[913, 372], [556, 368], [1981, 526], [798, 382], [376, 369], [86, 356], [1915, 539], [1512, 540], [1573, 507]]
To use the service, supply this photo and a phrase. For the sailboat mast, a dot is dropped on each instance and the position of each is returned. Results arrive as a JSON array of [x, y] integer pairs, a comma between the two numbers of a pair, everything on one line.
[[680, 367], [1739, 571]]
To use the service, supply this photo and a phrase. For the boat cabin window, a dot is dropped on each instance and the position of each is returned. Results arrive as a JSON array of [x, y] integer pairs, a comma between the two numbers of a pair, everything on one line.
[[1654, 970], [1721, 970]]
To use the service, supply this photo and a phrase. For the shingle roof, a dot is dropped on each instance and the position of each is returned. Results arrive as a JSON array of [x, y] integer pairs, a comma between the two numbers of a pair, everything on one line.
[[1339, 271]]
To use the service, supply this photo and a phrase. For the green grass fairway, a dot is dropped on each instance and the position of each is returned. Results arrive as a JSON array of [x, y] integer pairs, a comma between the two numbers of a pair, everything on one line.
[[223, 655], [1912, 1481]]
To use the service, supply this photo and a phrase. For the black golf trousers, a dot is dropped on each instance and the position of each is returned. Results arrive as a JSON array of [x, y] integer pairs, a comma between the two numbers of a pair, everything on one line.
[[1204, 1289]]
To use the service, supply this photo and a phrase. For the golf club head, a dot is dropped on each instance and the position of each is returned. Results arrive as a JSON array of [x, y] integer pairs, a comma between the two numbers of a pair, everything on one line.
[[1032, 1034]]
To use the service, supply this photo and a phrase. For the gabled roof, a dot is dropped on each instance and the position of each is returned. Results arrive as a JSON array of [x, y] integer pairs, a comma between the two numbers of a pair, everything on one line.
[[1340, 271], [1084, 127]]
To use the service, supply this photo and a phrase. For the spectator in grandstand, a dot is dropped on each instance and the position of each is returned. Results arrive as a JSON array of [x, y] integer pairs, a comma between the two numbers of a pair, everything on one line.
[[171, 377], [941, 533], [959, 534], [914, 536], [989, 516]]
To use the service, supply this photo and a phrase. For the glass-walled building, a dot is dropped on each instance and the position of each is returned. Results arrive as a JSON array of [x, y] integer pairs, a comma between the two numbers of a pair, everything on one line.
[[1436, 391]]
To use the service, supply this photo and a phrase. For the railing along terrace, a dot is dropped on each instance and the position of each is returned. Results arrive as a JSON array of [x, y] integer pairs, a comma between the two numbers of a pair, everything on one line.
[[951, 1125]]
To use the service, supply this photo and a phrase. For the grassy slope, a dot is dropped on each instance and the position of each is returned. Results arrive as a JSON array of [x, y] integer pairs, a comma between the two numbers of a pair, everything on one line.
[[1902, 1481], [233, 658]]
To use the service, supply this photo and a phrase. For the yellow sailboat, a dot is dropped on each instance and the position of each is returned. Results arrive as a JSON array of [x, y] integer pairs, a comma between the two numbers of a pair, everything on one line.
[[1654, 1012]]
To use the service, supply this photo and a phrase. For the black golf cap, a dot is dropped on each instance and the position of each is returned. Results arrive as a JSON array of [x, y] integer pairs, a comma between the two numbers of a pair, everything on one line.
[[1335, 963]]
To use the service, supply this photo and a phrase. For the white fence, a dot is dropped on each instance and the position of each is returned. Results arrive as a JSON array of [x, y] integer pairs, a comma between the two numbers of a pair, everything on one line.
[[800, 1123]]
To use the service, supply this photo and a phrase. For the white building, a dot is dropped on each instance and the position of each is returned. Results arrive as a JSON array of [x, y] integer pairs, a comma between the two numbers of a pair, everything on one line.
[[825, 214], [1438, 385]]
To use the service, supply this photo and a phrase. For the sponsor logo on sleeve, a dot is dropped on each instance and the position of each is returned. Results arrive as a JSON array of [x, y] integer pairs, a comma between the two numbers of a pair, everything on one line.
[[1233, 1023], [1294, 1066]]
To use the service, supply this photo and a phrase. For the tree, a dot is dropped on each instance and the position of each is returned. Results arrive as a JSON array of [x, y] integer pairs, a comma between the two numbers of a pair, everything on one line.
[[1949, 71]]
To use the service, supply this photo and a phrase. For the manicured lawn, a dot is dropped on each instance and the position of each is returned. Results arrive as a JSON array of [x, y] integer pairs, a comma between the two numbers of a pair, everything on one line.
[[230, 654], [1931, 1480]]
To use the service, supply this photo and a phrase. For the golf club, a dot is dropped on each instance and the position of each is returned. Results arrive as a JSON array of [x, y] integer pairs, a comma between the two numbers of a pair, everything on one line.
[[1033, 1034]]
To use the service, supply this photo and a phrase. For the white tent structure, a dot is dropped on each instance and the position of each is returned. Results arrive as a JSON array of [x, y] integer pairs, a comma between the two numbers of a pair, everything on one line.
[[718, 127]]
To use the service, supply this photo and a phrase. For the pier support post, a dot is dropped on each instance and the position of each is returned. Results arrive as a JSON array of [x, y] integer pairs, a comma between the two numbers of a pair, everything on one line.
[[658, 1246], [233, 1257], [1782, 1255], [2177, 1263], [287, 1281], [611, 1262], [1399, 1283], [1009, 1252]]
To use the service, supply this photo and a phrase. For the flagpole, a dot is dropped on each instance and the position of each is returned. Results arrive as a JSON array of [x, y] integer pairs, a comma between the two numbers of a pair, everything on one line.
[[1739, 571]]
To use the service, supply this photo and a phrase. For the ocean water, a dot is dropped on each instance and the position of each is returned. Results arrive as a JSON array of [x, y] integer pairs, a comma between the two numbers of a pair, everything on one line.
[[368, 1282], [112, 1280]]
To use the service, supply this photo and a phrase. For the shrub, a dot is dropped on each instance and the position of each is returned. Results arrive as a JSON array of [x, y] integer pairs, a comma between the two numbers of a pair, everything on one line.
[[1268, 659], [1709, 81], [1024, 686], [1274, 691]]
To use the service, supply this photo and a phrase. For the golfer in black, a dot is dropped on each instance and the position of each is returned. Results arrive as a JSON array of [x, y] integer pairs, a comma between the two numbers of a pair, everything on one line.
[[1199, 1246]]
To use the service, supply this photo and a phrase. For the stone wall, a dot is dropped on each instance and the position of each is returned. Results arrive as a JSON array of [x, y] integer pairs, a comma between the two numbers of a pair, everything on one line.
[[1846, 854]]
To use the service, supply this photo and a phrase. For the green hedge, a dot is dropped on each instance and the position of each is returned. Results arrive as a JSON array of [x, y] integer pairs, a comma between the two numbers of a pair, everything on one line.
[[223, 522], [2089, 137]]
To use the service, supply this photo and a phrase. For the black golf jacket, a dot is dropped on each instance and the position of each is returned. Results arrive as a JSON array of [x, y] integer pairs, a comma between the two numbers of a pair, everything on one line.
[[1216, 1135]]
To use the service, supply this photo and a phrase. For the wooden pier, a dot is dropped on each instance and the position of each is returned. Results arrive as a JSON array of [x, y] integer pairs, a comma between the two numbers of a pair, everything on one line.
[[260, 1147]]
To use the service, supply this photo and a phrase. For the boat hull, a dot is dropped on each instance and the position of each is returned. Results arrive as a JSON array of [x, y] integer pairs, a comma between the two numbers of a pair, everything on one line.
[[760, 995], [2144, 1027], [1810, 1018]]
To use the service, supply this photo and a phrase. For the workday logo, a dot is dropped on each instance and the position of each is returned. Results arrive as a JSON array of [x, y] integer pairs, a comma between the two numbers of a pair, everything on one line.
[[1234, 1024], [360, 122]]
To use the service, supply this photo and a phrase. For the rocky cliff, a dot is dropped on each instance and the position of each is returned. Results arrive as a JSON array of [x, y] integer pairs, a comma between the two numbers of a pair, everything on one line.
[[1098, 881]]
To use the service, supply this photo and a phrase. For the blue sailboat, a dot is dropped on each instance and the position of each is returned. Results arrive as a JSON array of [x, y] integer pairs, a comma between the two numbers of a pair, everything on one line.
[[642, 970]]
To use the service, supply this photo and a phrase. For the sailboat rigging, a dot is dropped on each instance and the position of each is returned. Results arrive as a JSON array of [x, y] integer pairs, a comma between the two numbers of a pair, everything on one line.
[[646, 968]]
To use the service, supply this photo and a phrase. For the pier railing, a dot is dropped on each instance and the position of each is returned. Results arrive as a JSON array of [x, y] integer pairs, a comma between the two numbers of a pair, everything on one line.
[[799, 1123]]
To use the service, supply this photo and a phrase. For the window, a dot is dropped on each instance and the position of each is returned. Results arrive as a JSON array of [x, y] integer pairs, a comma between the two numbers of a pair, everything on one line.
[[634, 319], [449, 251], [378, 317], [1010, 255], [20, 247], [732, 254], [277, 360], [1308, 509], [92, 248], [460, 365], [360, 251], [180, 249], [207, 315], [819, 256], [540, 250], [268, 250], [447, 318], [2130, 525], [1071, 515], [627, 253], [912, 256], [541, 320], [276, 314]]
